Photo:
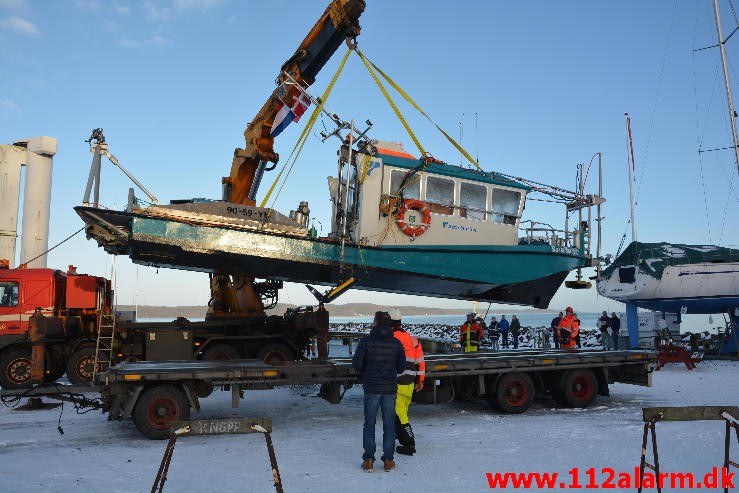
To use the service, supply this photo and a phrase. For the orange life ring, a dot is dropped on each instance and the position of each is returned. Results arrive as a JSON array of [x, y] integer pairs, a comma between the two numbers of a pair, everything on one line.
[[413, 205]]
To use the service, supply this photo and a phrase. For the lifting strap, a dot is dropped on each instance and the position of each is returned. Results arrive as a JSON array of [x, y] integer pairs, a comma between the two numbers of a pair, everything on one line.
[[390, 101], [304, 135], [405, 95]]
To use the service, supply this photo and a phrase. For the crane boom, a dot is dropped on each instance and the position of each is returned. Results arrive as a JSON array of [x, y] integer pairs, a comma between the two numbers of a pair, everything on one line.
[[338, 23], [240, 295]]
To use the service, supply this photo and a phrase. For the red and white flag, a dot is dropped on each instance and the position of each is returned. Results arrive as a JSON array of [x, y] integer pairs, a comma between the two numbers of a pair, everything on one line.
[[299, 102]]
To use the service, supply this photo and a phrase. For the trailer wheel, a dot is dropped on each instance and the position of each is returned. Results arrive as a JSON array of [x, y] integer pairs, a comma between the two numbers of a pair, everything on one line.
[[221, 352], [81, 365], [15, 369], [514, 393], [157, 408], [275, 352], [579, 388]]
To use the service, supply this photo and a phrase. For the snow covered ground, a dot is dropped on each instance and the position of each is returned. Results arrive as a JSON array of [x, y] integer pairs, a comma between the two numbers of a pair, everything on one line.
[[319, 445]]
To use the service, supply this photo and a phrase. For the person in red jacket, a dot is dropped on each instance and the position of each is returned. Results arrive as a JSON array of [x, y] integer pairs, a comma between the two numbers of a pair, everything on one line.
[[568, 329], [470, 334], [411, 379]]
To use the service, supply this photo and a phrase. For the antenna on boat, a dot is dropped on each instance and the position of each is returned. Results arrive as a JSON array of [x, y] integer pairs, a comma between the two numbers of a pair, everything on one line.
[[630, 164], [729, 99], [477, 142], [461, 134]]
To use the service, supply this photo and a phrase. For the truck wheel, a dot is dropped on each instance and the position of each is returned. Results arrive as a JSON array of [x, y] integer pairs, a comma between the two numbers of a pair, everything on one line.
[[81, 365], [221, 352], [579, 388], [15, 369], [157, 408], [514, 393], [275, 352]]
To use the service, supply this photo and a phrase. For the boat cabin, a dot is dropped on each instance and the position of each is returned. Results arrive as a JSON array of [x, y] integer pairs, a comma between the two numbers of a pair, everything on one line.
[[392, 199]]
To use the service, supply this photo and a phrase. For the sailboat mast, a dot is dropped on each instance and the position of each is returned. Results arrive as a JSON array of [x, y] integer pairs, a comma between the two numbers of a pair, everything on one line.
[[729, 99], [630, 164]]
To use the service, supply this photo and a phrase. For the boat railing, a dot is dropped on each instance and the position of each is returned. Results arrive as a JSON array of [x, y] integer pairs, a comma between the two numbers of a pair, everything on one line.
[[537, 233]]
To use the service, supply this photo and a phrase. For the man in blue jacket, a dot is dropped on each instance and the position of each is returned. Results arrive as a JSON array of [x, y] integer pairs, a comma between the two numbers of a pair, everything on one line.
[[504, 326], [379, 358]]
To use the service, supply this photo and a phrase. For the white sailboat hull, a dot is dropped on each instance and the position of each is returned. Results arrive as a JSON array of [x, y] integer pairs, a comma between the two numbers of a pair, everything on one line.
[[698, 287]]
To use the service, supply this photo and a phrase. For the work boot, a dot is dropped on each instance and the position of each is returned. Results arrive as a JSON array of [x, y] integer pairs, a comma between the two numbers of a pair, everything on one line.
[[368, 465], [389, 465], [405, 450]]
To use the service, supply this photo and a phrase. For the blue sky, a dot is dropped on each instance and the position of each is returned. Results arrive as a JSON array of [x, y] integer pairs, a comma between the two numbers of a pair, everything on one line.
[[173, 83]]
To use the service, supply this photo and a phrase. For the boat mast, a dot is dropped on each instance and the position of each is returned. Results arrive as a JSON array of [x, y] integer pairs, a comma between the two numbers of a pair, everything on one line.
[[630, 164], [732, 113]]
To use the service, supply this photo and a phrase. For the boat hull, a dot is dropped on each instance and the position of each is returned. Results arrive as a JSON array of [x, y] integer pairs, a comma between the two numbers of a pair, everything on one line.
[[701, 287], [528, 275]]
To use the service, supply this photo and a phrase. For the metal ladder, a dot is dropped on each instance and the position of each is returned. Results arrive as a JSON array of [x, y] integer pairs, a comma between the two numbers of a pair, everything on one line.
[[104, 343]]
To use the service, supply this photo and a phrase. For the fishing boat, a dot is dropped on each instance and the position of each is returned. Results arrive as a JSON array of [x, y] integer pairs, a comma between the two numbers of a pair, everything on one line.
[[400, 224]]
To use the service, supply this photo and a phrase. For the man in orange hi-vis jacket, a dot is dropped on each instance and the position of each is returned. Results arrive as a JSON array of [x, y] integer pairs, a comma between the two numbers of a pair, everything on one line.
[[568, 329], [411, 379], [470, 334]]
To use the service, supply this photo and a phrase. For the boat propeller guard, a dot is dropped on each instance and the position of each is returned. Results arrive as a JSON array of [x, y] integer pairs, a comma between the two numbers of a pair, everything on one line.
[[415, 229]]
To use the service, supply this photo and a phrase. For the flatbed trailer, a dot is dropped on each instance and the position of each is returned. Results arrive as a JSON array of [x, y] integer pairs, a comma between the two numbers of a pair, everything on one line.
[[155, 393]]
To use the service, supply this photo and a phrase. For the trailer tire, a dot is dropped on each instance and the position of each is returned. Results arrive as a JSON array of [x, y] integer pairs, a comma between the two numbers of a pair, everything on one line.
[[579, 388], [157, 408], [275, 352], [514, 393], [81, 365], [15, 369], [221, 352]]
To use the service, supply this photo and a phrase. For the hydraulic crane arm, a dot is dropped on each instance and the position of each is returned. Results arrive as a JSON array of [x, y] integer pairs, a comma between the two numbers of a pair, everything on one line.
[[239, 295], [338, 23]]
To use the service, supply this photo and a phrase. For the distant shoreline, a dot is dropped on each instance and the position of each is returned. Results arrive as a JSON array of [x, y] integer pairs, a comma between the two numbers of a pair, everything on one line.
[[345, 310]]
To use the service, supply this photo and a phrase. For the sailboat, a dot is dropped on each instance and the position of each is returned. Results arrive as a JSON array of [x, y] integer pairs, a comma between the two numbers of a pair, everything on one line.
[[678, 278]]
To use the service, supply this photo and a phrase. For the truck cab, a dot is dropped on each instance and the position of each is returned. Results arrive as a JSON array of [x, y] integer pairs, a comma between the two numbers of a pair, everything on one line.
[[69, 303], [22, 291]]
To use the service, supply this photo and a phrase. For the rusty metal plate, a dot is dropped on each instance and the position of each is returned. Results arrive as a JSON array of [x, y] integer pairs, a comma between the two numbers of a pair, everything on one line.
[[221, 426]]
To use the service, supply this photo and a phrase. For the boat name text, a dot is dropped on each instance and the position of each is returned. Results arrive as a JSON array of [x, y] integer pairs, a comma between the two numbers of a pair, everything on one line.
[[457, 227]]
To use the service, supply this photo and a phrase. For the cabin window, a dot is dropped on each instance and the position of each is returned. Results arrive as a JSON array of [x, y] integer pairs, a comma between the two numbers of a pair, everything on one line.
[[8, 294], [505, 206], [440, 195], [411, 189], [472, 200]]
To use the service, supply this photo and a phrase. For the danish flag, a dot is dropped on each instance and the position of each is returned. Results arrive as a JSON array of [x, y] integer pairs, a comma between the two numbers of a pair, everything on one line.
[[299, 102]]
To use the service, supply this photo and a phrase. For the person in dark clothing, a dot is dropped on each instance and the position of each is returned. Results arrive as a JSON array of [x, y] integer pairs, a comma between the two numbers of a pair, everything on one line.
[[605, 337], [379, 358], [515, 329], [494, 334], [615, 324], [504, 326], [554, 325]]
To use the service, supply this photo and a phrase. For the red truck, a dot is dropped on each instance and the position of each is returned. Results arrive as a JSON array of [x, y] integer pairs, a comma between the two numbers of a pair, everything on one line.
[[59, 315], [71, 303]]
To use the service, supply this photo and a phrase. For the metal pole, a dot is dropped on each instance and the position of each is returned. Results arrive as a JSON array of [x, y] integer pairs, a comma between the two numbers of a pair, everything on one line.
[[600, 195], [113, 160], [273, 462], [630, 165], [729, 99]]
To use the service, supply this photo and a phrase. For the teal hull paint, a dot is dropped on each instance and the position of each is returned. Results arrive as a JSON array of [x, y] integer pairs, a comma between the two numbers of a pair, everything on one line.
[[493, 265]]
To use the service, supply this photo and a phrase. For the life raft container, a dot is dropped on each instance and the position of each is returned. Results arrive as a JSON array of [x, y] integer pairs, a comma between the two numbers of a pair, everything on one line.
[[413, 230]]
